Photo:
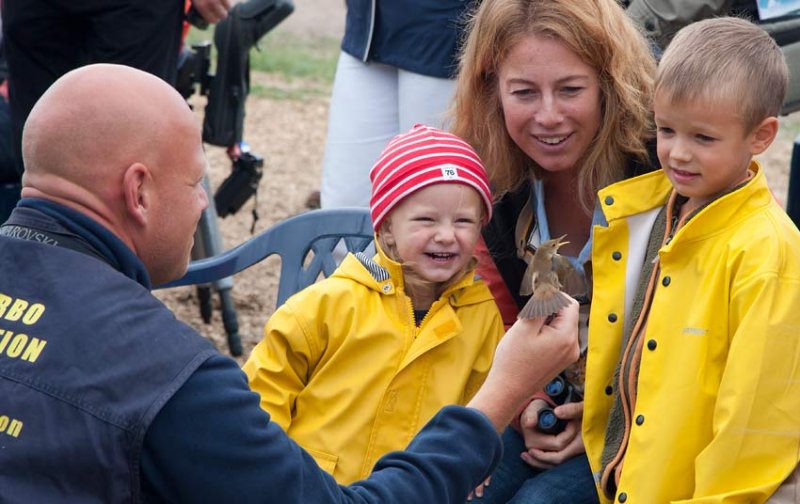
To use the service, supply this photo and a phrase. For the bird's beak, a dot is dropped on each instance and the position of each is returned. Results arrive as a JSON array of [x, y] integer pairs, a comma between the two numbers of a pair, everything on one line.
[[561, 242]]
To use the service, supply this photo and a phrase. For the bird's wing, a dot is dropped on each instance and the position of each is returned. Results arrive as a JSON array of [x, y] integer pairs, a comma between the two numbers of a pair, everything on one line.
[[571, 281], [528, 280]]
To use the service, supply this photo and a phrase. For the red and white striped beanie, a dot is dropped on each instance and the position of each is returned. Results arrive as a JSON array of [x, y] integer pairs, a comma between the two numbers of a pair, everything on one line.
[[424, 156]]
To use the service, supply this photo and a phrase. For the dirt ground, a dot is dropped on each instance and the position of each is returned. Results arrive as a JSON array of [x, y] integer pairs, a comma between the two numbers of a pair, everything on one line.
[[290, 135]]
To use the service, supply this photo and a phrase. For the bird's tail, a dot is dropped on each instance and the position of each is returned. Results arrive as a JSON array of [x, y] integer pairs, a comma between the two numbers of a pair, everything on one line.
[[544, 304]]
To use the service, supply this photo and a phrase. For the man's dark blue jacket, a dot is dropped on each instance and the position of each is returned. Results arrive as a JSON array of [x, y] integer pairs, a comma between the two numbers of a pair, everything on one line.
[[106, 397]]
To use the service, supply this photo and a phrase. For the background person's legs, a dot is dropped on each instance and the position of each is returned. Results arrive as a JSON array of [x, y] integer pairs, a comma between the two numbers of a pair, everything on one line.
[[370, 104], [424, 99], [363, 117]]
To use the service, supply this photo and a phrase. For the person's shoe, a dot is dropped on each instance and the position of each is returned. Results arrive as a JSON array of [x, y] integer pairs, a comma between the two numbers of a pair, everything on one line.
[[313, 200]]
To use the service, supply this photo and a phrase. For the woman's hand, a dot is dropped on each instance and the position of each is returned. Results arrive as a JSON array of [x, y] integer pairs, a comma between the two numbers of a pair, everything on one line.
[[548, 450]]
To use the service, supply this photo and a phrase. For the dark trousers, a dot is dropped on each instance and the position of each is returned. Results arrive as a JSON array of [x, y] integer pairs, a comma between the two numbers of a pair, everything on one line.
[[45, 39], [515, 482]]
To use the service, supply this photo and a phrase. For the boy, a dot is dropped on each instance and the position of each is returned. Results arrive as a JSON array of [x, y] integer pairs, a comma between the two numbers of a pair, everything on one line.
[[693, 372]]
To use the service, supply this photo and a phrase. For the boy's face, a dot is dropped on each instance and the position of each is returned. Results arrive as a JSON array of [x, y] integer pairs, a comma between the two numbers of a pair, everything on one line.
[[435, 230], [703, 148]]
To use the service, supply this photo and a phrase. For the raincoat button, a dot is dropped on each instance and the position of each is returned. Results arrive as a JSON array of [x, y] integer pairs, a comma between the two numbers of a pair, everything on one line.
[[640, 420], [651, 345], [665, 281], [616, 255], [622, 497], [609, 390], [612, 317], [609, 200]]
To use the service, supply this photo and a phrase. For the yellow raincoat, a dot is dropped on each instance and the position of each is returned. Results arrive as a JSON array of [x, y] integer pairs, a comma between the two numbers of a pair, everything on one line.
[[348, 375], [717, 411]]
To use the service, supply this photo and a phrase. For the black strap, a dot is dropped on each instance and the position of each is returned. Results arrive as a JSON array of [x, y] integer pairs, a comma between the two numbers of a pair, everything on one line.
[[24, 226]]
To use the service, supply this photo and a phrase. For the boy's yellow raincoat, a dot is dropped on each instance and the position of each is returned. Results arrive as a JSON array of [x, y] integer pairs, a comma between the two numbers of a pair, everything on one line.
[[717, 412]]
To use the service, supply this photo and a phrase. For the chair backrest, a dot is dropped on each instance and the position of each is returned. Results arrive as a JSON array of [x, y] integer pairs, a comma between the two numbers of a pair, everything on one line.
[[308, 245]]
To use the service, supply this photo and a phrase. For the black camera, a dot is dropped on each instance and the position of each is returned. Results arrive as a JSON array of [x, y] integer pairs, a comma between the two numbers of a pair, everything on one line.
[[560, 392], [227, 89], [240, 185]]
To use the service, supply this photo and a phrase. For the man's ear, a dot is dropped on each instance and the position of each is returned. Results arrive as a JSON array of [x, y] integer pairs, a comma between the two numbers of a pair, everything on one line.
[[763, 135], [137, 184]]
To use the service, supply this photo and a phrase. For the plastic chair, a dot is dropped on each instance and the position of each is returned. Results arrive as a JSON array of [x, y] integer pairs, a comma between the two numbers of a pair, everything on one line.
[[317, 232]]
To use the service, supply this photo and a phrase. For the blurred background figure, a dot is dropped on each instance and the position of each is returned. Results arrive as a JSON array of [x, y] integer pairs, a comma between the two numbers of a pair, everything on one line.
[[44, 39], [395, 69], [9, 179]]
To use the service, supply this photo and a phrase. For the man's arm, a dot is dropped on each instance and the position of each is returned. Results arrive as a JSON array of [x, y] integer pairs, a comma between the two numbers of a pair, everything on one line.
[[529, 355], [279, 364], [212, 441]]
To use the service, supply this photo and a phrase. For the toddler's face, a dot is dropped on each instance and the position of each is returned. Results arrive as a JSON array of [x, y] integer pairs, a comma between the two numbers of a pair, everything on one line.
[[702, 148], [435, 230]]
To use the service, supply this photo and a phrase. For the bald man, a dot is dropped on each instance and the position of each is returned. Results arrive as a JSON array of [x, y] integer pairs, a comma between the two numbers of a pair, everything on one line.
[[104, 396]]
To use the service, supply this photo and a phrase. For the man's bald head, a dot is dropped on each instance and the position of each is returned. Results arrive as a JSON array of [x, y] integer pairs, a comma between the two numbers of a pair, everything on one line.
[[122, 147], [95, 121]]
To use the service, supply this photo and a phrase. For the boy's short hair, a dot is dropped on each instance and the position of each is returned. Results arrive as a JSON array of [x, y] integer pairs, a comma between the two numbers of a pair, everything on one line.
[[726, 58]]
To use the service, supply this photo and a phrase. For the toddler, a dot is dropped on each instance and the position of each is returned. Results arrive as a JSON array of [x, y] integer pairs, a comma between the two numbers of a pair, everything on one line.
[[353, 366]]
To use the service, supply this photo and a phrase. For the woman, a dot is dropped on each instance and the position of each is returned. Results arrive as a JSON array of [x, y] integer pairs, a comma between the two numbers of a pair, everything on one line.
[[555, 96]]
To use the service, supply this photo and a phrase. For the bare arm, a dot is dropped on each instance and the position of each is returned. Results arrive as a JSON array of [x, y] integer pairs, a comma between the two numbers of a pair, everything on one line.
[[529, 355]]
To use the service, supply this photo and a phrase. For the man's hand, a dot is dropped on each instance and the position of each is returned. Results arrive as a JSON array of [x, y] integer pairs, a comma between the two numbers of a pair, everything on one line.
[[547, 450], [212, 11], [529, 355]]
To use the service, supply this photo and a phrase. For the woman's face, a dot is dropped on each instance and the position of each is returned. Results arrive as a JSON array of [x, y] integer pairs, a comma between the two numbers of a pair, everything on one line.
[[551, 102]]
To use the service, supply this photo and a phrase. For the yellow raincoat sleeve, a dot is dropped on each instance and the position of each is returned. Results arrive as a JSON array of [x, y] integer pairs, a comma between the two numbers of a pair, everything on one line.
[[755, 441], [279, 366], [494, 331]]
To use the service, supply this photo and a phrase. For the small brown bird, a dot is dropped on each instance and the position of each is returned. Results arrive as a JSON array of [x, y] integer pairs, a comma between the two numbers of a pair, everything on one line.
[[542, 281]]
